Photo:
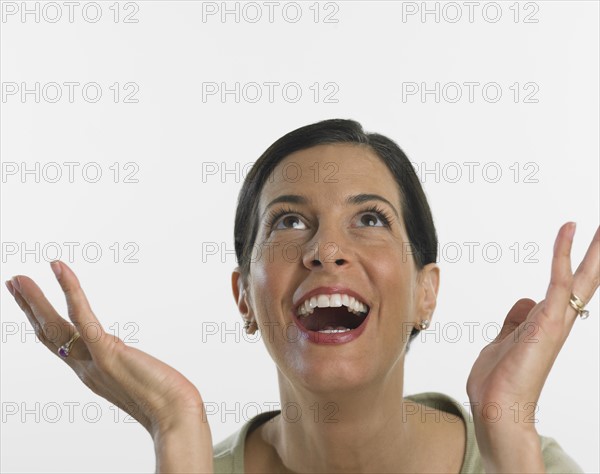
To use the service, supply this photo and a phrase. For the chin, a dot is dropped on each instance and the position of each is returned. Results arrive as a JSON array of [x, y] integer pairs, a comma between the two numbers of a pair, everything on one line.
[[332, 374]]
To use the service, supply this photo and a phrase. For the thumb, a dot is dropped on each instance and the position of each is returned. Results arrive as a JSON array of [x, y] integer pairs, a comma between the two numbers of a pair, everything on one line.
[[517, 314]]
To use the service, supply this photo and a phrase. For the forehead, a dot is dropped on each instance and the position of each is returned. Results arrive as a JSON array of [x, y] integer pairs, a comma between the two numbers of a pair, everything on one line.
[[331, 172]]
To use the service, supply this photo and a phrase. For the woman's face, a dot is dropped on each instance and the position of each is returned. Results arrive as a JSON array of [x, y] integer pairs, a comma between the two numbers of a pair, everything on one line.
[[330, 220]]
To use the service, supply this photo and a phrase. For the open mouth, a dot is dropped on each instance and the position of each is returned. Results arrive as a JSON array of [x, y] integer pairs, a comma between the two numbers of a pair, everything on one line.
[[328, 314]]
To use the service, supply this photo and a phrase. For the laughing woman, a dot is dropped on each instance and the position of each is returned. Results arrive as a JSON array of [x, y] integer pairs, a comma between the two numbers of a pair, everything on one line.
[[363, 285]]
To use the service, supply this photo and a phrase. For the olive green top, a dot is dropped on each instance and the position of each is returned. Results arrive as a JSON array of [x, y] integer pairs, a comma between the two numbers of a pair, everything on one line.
[[229, 453]]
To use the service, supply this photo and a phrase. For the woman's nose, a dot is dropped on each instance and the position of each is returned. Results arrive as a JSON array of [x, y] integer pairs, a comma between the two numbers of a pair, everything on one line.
[[317, 263], [326, 250]]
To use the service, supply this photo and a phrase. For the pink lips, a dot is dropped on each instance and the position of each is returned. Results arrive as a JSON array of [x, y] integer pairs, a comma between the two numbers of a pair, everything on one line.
[[329, 338]]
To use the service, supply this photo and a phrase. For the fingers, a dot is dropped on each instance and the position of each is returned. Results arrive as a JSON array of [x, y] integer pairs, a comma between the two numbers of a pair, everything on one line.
[[561, 278], [50, 327], [587, 275], [53, 330], [79, 309], [39, 332]]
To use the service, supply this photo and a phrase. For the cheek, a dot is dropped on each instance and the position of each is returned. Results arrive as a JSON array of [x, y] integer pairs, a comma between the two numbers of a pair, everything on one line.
[[392, 273], [270, 287], [390, 266], [271, 283]]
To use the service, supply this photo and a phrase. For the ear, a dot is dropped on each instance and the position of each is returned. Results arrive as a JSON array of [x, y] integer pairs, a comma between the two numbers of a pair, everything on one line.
[[240, 294], [429, 283]]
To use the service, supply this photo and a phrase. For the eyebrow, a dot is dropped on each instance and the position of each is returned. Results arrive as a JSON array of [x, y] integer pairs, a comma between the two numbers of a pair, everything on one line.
[[355, 199], [360, 198]]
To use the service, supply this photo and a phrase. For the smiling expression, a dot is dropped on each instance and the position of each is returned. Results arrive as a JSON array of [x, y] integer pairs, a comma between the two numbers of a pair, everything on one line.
[[335, 239]]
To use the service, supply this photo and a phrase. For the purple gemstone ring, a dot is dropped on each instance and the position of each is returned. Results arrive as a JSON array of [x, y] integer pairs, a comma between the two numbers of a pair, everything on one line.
[[65, 349]]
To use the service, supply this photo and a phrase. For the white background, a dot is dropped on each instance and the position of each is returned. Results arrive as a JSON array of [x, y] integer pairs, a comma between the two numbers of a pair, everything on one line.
[[176, 293]]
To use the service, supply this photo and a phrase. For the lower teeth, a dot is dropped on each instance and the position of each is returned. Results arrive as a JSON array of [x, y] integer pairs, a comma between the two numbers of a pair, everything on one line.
[[330, 331]]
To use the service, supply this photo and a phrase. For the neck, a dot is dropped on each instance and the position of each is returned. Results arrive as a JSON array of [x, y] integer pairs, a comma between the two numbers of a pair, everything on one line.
[[342, 431]]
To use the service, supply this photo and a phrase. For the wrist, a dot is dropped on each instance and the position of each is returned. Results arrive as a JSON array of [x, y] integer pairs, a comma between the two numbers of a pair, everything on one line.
[[183, 444], [510, 449], [178, 420]]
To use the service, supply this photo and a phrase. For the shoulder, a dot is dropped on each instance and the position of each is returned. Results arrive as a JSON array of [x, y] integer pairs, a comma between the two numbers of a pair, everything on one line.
[[556, 460], [224, 453], [228, 454]]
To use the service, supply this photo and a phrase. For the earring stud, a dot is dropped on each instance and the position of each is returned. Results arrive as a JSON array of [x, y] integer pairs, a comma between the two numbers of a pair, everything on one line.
[[248, 324]]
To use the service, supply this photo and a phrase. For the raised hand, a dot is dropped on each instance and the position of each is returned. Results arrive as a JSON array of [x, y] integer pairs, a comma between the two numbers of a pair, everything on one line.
[[152, 392], [505, 383]]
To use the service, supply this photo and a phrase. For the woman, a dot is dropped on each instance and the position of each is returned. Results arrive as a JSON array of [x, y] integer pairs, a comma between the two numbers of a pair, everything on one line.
[[337, 270]]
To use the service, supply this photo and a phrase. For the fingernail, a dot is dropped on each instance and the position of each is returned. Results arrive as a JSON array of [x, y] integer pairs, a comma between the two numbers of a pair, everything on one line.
[[15, 283], [10, 287], [56, 268]]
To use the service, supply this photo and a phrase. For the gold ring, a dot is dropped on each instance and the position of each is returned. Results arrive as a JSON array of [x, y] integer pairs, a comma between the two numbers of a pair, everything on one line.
[[65, 349], [578, 306]]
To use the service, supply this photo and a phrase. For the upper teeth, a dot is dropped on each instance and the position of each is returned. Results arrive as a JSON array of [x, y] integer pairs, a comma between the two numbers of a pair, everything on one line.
[[334, 301]]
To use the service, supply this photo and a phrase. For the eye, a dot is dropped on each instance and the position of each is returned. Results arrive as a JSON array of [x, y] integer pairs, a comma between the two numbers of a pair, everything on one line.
[[371, 219], [285, 219], [374, 217], [290, 221]]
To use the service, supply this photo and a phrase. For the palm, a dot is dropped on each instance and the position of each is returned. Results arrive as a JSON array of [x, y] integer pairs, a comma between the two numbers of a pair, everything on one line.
[[124, 375], [149, 390], [508, 376]]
